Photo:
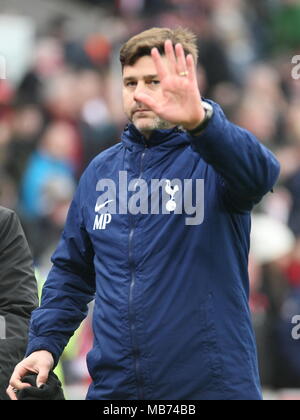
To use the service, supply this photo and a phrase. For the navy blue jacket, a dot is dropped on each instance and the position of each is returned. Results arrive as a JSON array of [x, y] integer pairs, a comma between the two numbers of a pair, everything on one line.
[[171, 317]]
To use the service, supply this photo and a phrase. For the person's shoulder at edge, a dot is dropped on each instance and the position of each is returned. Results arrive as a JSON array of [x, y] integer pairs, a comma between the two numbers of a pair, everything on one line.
[[10, 226], [7, 217], [6, 212]]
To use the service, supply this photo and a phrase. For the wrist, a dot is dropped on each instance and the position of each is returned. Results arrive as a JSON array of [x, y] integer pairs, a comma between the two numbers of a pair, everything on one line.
[[191, 125], [208, 113]]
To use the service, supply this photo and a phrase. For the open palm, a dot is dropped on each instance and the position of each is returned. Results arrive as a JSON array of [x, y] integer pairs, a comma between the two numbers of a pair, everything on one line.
[[181, 103]]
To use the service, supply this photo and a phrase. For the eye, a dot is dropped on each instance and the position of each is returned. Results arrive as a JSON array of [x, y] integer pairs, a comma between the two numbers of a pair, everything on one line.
[[154, 82], [130, 84]]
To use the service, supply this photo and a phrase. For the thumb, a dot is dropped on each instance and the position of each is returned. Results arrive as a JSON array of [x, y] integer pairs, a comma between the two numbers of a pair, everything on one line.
[[42, 377]]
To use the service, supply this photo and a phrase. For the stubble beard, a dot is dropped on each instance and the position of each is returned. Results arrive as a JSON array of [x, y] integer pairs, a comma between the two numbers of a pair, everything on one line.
[[156, 124]]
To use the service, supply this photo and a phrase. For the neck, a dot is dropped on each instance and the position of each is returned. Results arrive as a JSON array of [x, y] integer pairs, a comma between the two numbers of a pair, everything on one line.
[[146, 133]]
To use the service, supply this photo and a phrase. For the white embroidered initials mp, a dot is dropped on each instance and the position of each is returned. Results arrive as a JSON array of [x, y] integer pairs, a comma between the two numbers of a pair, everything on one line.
[[102, 221]]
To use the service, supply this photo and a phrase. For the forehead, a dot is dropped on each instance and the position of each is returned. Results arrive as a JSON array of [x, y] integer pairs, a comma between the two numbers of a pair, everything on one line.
[[143, 66]]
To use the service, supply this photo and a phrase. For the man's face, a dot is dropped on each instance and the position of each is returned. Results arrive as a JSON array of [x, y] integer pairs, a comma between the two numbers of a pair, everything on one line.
[[142, 77]]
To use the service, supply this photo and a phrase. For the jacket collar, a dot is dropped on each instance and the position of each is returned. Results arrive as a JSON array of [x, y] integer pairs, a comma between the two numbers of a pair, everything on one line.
[[132, 137]]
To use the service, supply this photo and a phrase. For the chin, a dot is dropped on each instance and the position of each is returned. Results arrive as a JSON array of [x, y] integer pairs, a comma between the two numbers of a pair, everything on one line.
[[144, 125]]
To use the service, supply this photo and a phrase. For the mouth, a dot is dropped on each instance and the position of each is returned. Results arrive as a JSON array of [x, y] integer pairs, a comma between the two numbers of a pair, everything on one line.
[[141, 111]]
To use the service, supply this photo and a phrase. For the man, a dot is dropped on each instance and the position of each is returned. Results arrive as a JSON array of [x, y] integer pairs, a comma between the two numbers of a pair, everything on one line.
[[18, 295], [171, 316]]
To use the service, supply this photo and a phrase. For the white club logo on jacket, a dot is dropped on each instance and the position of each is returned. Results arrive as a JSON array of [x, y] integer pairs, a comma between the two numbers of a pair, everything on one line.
[[171, 204]]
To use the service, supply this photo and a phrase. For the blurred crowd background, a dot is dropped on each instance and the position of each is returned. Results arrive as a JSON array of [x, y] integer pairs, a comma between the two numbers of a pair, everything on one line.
[[60, 105]]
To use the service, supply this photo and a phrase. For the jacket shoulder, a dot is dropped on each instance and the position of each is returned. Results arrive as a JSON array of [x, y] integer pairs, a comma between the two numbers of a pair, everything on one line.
[[10, 226], [107, 154], [95, 167], [7, 219], [6, 214]]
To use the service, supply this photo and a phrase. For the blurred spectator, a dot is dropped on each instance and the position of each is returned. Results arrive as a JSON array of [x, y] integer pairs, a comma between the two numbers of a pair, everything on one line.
[[293, 186], [19, 30], [55, 198], [26, 126], [260, 116], [54, 157], [272, 245], [96, 127], [286, 29], [47, 61]]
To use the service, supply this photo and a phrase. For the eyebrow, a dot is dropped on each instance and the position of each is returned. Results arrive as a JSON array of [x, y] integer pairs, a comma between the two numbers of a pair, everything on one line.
[[147, 76]]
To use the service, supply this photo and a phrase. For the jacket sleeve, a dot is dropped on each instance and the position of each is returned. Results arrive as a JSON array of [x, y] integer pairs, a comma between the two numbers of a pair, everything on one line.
[[18, 287], [69, 288], [18, 295], [246, 169]]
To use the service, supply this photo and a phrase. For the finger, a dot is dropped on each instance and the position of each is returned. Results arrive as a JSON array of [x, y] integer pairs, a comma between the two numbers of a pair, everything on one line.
[[42, 377], [11, 393], [191, 68], [181, 60], [170, 55], [146, 100], [159, 64], [16, 379]]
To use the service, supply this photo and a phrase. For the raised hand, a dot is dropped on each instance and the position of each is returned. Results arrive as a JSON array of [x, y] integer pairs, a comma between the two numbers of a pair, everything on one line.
[[181, 104]]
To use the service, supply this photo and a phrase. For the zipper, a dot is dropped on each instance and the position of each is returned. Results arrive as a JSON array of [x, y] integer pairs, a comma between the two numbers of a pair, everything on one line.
[[132, 320]]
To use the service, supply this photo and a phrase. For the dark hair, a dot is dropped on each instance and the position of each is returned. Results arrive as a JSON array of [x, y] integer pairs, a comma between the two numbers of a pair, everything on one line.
[[142, 44]]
